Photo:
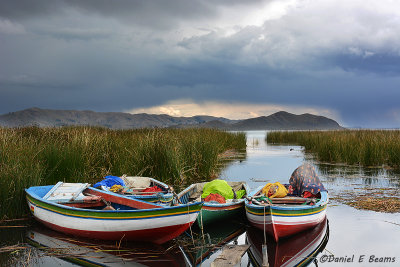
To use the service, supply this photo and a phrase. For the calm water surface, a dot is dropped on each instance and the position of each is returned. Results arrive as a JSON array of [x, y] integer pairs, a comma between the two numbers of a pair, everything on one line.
[[365, 234], [361, 238]]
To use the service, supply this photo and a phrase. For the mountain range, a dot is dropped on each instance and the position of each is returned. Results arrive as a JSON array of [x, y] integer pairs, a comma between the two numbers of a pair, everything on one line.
[[117, 120]]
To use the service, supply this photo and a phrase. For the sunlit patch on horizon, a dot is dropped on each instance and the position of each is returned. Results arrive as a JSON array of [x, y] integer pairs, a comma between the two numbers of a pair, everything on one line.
[[235, 111]]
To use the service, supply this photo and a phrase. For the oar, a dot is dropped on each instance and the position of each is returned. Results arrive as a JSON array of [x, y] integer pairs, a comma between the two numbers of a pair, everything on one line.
[[175, 195]]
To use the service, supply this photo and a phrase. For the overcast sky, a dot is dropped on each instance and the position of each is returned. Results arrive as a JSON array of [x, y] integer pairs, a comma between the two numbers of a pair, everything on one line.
[[231, 58]]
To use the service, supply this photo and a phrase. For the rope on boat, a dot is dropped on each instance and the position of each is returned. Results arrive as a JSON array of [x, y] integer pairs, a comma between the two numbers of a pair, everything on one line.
[[107, 203], [264, 248], [201, 227], [202, 233], [176, 197], [190, 227], [265, 237]]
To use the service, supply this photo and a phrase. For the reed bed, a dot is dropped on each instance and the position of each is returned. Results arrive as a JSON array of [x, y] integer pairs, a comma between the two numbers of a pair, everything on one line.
[[41, 156], [353, 147], [383, 204]]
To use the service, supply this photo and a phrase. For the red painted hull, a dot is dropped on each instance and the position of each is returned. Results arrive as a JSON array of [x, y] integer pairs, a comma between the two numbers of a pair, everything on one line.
[[155, 235], [283, 230], [297, 250]]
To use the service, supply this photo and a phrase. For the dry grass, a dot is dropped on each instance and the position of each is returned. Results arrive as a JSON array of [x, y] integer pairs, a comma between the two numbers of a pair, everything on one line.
[[369, 198], [382, 204]]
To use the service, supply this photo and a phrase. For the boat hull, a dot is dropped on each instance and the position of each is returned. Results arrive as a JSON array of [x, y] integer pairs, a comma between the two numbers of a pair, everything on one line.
[[282, 221], [154, 235], [211, 213], [156, 225]]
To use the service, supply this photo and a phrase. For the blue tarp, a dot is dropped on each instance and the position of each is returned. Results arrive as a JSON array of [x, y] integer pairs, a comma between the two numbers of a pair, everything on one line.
[[109, 181]]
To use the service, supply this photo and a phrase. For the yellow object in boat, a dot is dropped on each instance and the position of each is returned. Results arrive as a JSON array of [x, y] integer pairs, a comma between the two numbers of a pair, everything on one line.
[[272, 190]]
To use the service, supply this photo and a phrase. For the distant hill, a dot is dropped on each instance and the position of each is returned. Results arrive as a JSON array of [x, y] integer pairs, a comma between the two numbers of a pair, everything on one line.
[[118, 120], [115, 120], [286, 121]]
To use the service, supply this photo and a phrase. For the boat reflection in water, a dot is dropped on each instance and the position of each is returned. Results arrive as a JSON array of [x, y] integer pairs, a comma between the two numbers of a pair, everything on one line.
[[87, 252], [297, 250], [210, 241]]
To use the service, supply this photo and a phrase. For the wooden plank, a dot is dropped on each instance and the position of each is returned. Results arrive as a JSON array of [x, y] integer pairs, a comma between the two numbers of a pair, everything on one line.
[[230, 256], [52, 190], [66, 191], [78, 191]]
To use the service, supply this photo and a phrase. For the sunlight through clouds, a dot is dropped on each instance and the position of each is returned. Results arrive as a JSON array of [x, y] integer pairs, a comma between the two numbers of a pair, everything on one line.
[[236, 59], [234, 111]]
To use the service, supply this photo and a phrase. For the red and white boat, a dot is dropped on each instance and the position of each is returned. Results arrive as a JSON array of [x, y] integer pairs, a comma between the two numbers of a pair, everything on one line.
[[88, 212], [286, 216]]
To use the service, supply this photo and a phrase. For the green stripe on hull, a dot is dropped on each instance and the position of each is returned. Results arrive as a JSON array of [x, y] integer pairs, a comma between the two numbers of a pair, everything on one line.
[[114, 214]]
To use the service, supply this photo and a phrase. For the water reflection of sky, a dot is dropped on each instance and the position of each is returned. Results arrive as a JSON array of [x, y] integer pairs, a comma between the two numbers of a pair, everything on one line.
[[275, 163], [369, 233], [264, 162], [352, 232]]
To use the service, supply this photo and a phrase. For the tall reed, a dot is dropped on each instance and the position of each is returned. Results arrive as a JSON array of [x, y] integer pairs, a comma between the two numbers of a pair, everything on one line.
[[39, 156], [361, 147]]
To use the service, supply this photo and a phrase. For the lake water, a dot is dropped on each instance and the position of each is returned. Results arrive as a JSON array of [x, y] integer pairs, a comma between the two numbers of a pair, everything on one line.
[[358, 237]]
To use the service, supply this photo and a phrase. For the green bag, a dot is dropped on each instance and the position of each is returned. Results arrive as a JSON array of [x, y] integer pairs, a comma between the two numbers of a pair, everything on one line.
[[240, 193], [218, 187]]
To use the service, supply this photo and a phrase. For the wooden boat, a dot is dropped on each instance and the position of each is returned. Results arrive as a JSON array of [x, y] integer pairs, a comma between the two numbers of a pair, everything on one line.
[[84, 252], [137, 189], [84, 211], [212, 212], [298, 250], [286, 216]]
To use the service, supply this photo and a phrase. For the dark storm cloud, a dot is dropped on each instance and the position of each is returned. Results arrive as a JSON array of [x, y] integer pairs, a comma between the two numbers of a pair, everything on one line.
[[119, 55], [156, 13], [21, 9], [357, 98], [75, 33], [382, 64]]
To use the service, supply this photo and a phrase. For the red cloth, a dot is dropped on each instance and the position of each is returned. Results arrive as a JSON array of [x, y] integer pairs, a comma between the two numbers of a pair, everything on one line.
[[152, 189], [215, 197], [308, 194]]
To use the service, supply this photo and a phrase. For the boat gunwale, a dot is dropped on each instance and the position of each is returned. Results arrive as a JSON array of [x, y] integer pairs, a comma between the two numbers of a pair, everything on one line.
[[159, 182], [207, 204], [322, 202], [158, 208], [218, 205], [167, 197]]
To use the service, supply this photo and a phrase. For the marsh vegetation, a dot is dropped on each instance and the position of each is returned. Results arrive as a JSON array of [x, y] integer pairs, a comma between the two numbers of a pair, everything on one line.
[[352, 147], [43, 156]]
